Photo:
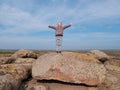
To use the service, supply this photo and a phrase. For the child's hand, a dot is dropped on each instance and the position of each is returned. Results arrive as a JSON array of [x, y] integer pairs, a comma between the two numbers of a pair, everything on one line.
[[70, 23]]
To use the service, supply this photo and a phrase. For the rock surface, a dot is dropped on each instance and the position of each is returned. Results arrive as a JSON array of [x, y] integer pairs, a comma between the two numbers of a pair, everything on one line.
[[5, 83], [99, 55], [6, 60], [112, 80], [24, 54], [17, 73], [34, 85], [24, 60], [69, 67]]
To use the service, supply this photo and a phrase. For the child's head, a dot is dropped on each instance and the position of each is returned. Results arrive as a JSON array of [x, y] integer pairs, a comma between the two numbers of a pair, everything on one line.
[[59, 23]]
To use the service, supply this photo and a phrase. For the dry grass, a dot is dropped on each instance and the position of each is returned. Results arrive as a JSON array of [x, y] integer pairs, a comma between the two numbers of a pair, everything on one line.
[[6, 53]]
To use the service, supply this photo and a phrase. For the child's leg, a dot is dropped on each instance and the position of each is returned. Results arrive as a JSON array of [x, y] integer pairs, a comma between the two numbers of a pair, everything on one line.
[[58, 43], [57, 40]]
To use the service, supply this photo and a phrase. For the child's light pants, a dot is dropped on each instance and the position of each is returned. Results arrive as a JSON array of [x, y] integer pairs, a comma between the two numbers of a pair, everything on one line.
[[59, 43]]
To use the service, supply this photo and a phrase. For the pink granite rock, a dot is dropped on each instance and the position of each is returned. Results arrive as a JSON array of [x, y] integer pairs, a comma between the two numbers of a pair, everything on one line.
[[69, 67]]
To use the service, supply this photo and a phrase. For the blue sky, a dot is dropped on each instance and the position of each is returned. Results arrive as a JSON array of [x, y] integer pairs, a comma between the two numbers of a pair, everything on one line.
[[96, 24]]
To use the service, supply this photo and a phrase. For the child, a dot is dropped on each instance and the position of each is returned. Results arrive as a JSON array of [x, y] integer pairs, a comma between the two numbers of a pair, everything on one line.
[[59, 33]]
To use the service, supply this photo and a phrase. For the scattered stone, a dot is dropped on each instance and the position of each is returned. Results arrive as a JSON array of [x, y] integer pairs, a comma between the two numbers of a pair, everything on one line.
[[24, 54], [99, 55], [69, 67]]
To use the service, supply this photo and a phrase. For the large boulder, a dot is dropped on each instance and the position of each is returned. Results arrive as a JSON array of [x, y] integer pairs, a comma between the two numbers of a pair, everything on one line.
[[24, 54], [69, 67], [99, 55], [17, 73]]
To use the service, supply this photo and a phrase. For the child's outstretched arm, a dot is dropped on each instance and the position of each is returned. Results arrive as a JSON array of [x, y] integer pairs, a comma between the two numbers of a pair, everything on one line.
[[66, 26], [53, 27]]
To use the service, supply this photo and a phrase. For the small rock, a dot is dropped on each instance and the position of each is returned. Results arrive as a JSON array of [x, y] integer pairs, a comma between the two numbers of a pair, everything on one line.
[[37, 87], [34, 85], [24, 54], [99, 55]]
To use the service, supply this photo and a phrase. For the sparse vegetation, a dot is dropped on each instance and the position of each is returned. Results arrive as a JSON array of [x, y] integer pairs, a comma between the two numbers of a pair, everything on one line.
[[40, 52], [5, 51]]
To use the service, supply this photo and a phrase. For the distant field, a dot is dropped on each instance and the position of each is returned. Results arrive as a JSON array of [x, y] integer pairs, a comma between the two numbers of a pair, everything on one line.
[[112, 52], [7, 51], [40, 52], [10, 52]]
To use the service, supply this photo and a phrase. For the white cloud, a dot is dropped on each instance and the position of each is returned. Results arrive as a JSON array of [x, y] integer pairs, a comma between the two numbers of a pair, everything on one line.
[[24, 21], [18, 19]]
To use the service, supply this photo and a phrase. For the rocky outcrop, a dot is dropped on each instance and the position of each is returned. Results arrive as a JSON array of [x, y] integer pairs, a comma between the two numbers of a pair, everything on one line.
[[65, 71], [16, 72], [24, 54], [69, 67], [99, 55], [14, 69]]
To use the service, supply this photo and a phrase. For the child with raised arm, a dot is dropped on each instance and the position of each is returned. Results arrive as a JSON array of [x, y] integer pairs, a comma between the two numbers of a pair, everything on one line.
[[59, 33]]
